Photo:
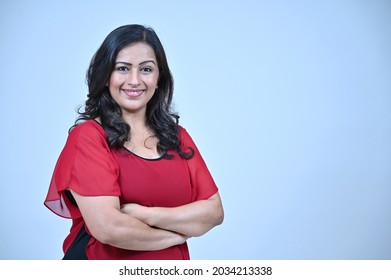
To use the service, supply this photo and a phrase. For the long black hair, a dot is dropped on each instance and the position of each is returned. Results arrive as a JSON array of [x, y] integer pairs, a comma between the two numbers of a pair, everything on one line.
[[160, 117]]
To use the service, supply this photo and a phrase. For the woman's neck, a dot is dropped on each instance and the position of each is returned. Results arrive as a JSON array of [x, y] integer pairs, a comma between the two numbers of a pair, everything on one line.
[[137, 121], [143, 141]]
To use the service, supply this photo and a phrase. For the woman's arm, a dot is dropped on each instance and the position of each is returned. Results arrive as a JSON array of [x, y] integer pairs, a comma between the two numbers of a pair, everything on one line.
[[193, 219], [109, 225]]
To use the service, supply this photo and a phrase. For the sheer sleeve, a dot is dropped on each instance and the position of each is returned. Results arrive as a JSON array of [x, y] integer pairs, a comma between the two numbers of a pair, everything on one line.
[[201, 179], [86, 166]]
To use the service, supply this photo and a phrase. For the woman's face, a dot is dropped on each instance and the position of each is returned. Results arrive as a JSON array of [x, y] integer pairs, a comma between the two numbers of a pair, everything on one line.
[[134, 78]]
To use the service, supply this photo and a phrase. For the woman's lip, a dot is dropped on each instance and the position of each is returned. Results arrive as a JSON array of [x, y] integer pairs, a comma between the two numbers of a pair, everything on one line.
[[133, 92]]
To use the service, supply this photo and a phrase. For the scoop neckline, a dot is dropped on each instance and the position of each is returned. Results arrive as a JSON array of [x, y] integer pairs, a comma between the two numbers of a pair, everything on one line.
[[132, 153], [144, 158]]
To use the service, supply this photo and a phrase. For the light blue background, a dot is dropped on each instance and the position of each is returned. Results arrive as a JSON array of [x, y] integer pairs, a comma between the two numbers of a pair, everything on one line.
[[288, 101]]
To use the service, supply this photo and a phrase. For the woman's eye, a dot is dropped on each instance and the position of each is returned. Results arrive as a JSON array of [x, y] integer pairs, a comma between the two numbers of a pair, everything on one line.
[[146, 69], [122, 68]]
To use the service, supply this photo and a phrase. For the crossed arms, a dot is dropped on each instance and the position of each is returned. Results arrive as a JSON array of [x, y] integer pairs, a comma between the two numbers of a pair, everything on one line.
[[136, 227]]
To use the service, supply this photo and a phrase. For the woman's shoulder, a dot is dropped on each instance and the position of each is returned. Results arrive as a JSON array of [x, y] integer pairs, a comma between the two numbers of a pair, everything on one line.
[[90, 129], [88, 126], [185, 137], [182, 131]]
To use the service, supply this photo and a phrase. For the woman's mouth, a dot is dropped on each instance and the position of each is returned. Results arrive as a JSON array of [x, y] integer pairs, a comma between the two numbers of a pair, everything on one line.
[[133, 92]]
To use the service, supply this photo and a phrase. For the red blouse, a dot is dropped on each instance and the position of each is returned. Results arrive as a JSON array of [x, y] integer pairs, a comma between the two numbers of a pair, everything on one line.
[[89, 167]]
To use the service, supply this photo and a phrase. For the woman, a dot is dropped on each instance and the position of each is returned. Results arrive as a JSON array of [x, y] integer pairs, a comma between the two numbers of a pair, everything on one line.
[[130, 178]]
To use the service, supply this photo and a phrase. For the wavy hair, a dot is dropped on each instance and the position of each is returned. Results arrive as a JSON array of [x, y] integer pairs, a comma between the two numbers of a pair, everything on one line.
[[160, 117]]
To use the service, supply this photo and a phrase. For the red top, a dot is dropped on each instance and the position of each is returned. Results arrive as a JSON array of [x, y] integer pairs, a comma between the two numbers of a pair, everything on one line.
[[89, 167]]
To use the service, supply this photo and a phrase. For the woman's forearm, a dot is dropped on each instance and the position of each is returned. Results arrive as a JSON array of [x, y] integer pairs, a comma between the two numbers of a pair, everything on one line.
[[109, 225], [192, 219], [132, 234]]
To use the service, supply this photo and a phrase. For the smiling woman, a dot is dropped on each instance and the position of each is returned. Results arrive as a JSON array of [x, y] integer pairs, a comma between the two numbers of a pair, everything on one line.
[[134, 80], [130, 177]]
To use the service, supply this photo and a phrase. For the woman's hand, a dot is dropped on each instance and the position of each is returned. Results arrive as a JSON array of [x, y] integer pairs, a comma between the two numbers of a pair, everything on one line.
[[137, 211], [143, 214]]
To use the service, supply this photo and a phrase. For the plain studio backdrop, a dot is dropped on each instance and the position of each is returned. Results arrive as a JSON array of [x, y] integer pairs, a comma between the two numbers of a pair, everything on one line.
[[288, 101]]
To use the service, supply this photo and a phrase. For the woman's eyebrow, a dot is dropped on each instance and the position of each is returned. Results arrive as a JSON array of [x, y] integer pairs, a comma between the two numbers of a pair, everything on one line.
[[141, 63]]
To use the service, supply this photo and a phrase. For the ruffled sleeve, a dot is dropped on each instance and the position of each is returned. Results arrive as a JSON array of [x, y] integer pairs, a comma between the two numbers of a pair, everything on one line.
[[86, 166], [201, 179]]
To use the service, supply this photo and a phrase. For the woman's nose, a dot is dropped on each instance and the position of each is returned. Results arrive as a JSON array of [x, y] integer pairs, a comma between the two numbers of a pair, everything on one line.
[[134, 79]]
